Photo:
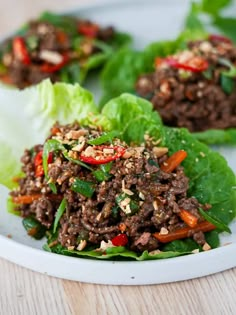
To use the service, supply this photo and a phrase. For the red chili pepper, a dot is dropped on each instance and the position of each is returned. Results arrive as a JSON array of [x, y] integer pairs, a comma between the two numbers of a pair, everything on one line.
[[38, 163], [101, 158], [50, 68], [88, 29], [20, 50], [38, 158], [120, 240], [194, 64], [219, 38], [39, 171]]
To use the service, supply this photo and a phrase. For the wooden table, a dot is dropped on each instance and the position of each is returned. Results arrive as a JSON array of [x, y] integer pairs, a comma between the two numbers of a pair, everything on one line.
[[28, 293]]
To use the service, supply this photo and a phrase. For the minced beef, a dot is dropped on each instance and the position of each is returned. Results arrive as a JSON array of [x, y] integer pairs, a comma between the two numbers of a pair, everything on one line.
[[134, 196], [198, 100]]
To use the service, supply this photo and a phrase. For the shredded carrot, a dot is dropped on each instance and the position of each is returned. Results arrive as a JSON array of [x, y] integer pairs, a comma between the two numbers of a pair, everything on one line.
[[16, 179], [188, 218], [204, 226], [54, 131], [158, 61], [122, 227], [173, 161], [61, 37], [6, 79], [32, 231], [28, 199]]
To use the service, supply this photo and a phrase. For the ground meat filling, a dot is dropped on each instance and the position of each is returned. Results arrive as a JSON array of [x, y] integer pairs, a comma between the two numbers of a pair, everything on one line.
[[135, 197], [197, 100], [45, 49]]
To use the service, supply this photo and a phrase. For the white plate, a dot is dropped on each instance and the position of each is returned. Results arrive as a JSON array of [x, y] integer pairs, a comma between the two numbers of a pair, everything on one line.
[[148, 22]]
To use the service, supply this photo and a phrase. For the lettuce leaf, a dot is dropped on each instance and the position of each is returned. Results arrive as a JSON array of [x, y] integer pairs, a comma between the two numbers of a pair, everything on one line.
[[211, 179], [132, 117], [217, 136], [27, 116], [122, 70]]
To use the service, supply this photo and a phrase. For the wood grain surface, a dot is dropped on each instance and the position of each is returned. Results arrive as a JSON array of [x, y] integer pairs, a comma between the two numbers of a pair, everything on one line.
[[29, 293]]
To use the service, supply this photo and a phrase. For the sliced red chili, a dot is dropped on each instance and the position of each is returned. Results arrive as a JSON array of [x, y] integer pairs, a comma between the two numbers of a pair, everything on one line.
[[120, 240], [194, 64], [38, 163], [219, 38], [101, 157], [38, 159], [39, 171], [88, 29], [20, 50], [50, 68]]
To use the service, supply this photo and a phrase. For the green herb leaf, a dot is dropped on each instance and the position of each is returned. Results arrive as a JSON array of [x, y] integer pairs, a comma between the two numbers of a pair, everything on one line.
[[59, 214], [65, 153], [32, 42], [105, 137], [219, 224], [102, 174], [83, 187], [71, 73], [50, 145], [34, 228], [133, 204], [66, 23], [227, 83]]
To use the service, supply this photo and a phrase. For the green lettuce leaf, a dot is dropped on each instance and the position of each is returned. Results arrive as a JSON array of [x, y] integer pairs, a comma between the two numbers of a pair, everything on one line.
[[120, 73], [132, 117], [208, 16], [211, 179], [32, 112], [226, 25], [122, 70], [214, 7], [217, 136]]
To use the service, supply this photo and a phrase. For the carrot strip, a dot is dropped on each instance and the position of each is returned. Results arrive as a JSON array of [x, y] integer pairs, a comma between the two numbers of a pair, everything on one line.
[[173, 161], [28, 199], [122, 227], [188, 218], [6, 79], [16, 179], [204, 226]]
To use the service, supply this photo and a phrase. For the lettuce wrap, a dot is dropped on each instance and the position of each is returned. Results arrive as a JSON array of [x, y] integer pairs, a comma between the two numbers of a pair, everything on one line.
[[125, 67], [37, 108], [65, 48]]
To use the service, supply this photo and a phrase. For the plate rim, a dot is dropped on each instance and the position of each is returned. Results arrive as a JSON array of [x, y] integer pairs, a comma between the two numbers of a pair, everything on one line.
[[47, 263]]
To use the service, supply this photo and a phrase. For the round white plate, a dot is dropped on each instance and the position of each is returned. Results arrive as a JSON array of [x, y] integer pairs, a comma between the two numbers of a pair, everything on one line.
[[148, 21]]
